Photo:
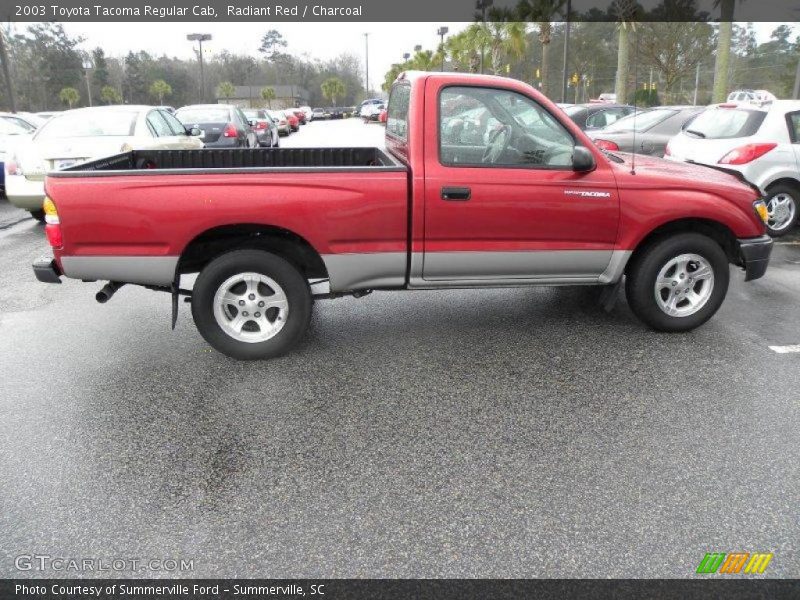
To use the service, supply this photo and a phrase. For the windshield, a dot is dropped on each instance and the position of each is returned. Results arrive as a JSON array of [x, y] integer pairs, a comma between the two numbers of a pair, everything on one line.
[[641, 121], [188, 116], [101, 123], [9, 127], [721, 123]]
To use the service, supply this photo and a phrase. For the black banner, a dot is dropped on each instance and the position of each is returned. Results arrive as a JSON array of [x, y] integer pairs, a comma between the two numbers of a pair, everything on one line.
[[389, 11], [395, 589]]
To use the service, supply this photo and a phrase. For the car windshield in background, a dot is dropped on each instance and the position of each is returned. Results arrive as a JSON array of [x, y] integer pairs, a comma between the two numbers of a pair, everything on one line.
[[203, 115], [573, 110], [641, 121], [89, 124], [721, 123], [8, 127]]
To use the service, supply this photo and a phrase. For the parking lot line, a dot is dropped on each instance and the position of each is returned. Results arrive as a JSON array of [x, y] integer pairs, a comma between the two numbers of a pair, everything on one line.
[[785, 349]]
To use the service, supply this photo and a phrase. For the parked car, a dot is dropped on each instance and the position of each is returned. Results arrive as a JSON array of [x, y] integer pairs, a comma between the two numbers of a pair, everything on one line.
[[759, 143], [372, 112], [335, 112], [751, 97], [383, 117], [169, 109], [263, 125], [319, 114], [597, 115], [308, 113], [517, 209], [25, 120], [300, 114], [82, 134], [48, 114], [11, 133], [294, 122], [649, 129], [220, 125], [367, 106], [281, 121]]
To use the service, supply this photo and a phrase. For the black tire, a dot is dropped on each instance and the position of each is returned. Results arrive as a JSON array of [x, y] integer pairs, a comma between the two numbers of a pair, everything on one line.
[[640, 284], [282, 272], [38, 215], [780, 192]]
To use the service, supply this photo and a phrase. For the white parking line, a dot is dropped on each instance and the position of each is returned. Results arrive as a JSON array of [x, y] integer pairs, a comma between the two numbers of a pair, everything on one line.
[[785, 349]]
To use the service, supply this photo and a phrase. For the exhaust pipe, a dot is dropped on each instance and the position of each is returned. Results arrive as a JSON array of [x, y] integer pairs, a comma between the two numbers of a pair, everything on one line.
[[108, 290]]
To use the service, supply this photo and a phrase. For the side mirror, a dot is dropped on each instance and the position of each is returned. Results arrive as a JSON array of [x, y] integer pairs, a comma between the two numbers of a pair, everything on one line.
[[582, 159], [194, 131]]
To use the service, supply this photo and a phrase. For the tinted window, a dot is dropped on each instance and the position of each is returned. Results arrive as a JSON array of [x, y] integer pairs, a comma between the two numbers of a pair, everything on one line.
[[494, 127], [721, 123], [189, 116], [20, 123], [793, 119], [397, 115]]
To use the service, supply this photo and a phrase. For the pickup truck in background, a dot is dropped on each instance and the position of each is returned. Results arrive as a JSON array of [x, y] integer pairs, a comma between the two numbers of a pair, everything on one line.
[[484, 183]]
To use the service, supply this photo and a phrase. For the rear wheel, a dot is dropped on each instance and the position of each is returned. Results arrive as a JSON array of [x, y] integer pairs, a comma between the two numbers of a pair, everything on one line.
[[250, 304], [781, 202], [678, 283]]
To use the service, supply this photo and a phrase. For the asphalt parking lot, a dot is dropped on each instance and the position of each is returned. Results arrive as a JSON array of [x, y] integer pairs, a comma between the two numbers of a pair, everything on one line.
[[495, 433]]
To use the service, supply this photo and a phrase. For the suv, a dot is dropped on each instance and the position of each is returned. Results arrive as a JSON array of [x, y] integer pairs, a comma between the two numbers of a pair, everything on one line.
[[759, 143]]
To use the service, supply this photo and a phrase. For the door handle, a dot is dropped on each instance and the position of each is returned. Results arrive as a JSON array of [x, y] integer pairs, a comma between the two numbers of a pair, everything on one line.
[[456, 193]]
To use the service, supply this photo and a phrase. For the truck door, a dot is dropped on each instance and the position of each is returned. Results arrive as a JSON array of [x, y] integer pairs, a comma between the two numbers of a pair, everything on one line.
[[502, 202]]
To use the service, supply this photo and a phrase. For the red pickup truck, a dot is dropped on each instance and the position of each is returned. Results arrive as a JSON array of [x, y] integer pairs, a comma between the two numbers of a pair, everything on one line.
[[484, 183]]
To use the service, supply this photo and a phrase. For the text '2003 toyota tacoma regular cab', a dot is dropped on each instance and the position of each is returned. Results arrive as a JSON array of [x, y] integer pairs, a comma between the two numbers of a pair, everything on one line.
[[484, 183]]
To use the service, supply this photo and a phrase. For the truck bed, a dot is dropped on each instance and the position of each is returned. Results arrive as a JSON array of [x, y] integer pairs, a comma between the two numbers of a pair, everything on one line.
[[236, 160]]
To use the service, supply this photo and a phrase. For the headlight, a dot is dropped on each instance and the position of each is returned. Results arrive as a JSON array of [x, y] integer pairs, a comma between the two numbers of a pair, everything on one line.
[[761, 210]]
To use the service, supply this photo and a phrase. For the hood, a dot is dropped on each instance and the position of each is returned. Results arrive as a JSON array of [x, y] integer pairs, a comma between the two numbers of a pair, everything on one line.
[[665, 174]]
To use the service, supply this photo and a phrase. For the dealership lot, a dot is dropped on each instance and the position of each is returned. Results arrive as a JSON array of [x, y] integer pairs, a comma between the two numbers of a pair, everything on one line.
[[492, 433]]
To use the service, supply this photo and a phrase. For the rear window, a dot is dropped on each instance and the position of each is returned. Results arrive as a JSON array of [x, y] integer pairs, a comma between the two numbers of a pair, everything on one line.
[[188, 116], [99, 123], [397, 115], [722, 123], [641, 121]]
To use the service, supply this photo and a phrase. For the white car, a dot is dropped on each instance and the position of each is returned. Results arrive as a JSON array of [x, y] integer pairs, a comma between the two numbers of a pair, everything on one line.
[[759, 97], [11, 134], [368, 107], [308, 112], [761, 143], [84, 134]]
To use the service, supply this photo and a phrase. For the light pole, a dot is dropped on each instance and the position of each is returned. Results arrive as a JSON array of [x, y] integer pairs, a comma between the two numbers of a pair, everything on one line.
[[366, 61], [200, 38], [406, 56], [87, 65], [482, 5], [441, 32]]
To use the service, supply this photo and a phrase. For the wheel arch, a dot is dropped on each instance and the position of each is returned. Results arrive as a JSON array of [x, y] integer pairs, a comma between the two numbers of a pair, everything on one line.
[[715, 230], [790, 181], [216, 241]]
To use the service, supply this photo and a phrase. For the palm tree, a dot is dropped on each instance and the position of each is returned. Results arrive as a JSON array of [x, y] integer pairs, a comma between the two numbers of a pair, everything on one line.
[[160, 88], [69, 95], [226, 90], [110, 95], [268, 95], [333, 88], [542, 12], [722, 62], [505, 37], [425, 60]]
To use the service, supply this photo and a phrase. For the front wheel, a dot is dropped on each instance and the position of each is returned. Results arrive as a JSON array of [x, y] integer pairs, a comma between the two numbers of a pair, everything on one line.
[[781, 209], [250, 304], [678, 283]]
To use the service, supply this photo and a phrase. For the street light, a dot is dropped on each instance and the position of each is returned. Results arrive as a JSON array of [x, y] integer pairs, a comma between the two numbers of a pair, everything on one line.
[[441, 32], [87, 66], [418, 48], [406, 55], [200, 38], [482, 5]]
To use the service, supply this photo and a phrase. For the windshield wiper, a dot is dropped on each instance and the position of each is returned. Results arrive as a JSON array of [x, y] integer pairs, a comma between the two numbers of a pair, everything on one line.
[[695, 132]]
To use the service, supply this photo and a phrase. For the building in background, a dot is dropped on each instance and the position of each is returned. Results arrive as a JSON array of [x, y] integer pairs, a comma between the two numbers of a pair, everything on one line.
[[249, 96]]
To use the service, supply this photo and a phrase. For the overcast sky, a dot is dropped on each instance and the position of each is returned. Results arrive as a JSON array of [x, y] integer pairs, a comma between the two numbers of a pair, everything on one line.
[[387, 41]]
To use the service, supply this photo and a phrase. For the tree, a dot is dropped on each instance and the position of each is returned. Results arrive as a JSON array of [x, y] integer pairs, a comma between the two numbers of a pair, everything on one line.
[[69, 95], [272, 44], [542, 12], [226, 90], [110, 95], [333, 88], [506, 37], [625, 13], [100, 73], [160, 88], [268, 95], [722, 62]]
